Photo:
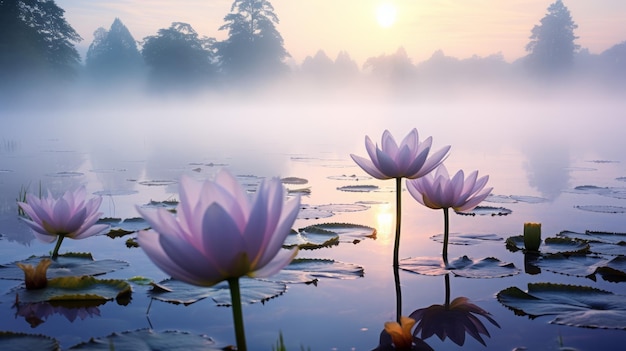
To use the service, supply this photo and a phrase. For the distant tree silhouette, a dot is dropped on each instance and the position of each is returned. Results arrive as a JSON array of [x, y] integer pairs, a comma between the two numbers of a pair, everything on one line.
[[35, 42], [113, 54], [396, 68], [551, 48], [321, 69], [254, 47], [178, 58]]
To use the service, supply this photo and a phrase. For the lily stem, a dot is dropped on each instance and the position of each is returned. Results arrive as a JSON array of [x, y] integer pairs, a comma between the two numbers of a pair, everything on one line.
[[55, 253], [235, 295], [447, 280], [396, 275], [446, 232], [396, 245]]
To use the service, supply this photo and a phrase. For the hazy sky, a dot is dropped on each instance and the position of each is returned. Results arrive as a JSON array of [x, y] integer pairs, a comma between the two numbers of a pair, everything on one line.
[[460, 28]]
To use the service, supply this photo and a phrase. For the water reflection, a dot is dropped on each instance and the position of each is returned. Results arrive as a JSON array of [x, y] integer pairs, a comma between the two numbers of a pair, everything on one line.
[[38, 312], [453, 319], [547, 163]]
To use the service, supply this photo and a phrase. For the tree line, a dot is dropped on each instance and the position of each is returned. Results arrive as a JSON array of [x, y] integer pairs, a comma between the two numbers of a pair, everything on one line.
[[37, 43]]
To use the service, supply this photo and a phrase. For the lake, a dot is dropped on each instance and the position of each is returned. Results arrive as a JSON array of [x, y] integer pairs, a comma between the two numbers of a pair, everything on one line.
[[556, 160]]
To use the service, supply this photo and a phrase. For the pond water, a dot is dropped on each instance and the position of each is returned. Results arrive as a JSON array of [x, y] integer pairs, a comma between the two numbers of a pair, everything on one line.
[[536, 154]]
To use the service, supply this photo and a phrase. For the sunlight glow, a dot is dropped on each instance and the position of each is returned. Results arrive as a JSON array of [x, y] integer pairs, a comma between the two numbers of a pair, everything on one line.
[[386, 14]]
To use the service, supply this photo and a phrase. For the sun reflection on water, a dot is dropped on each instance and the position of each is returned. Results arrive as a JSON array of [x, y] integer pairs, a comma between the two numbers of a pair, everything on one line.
[[384, 224]]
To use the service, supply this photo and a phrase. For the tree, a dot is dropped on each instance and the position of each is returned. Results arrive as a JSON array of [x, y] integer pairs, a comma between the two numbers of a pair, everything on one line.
[[178, 58], [113, 54], [35, 42], [254, 47], [551, 47]]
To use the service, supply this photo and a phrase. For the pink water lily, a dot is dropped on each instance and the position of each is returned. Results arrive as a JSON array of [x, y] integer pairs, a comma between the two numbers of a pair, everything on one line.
[[407, 160], [71, 216], [220, 232], [437, 190]]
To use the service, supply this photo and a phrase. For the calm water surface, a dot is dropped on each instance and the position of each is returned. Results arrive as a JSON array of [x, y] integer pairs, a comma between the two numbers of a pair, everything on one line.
[[540, 149]]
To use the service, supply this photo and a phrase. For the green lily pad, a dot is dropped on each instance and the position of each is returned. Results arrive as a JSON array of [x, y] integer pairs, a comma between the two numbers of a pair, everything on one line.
[[311, 240], [465, 239], [68, 264], [19, 342], [359, 188], [579, 265], [310, 212], [463, 267], [578, 306], [149, 340], [343, 207], [309, 270], [294, 181], [76, 288], [486, 211], [602, 208], [252, 291], [562, 245], [347, 232], [120, 228]]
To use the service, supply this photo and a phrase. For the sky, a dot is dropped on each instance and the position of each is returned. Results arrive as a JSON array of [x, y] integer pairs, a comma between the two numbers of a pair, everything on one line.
[[460, 28]]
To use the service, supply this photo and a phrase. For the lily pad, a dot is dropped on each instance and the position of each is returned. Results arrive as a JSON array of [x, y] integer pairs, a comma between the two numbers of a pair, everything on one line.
[[66, 174], [560, 245], [596, 236], [19, 342], [68, 264], [347, 232], [310, 212], [157, 182], [359, 188], [149, 340], [529, 199], [309, 270], [486, 211], [614, 192], [614, 271], [500, 199], [573, 265], [466, 239], [76, 288], [252, 291], [167, 204], [578, 306], [602, 208], [294, 180], [463, 266], [352, 177], [119, 192], [343, 207], [311, 240]]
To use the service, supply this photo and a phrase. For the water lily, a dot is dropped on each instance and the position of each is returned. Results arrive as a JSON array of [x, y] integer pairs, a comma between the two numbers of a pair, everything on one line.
[[71, 216], [35, 277], [220, 233], [438, 191], [401, 335], [452, 319], [532, 236]]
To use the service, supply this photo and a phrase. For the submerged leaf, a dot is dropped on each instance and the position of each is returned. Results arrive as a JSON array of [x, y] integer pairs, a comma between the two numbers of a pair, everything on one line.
[[68, 264], [149, 340], [252, 291], [578, 306]]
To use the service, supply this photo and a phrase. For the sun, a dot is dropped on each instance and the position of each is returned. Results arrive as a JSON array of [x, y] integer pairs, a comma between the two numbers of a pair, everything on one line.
[[386, 14]]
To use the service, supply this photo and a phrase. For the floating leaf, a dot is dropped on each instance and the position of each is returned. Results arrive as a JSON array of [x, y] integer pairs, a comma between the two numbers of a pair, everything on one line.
[[76, 288], [252, 291], [596, 236], [347, 232], [578, 306], [614, 271], [486, 211], [463, 266], [352, 177], [614, 192], [167, 204], [309, 212], [529, 199], [149, 340], [65, 174], [68, 264], [294, 180], [602, 208], [466, 239], [561, 245], [157, 182], [119, 192], [501, 199], [574, 265], [359, 188], [309, 270], [343, 207], [19, 342], [311, 240]]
